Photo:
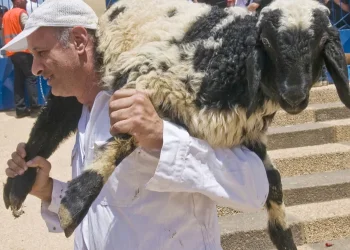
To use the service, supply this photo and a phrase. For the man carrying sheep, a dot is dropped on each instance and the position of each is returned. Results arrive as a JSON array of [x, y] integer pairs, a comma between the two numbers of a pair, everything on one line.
[[162, 196]]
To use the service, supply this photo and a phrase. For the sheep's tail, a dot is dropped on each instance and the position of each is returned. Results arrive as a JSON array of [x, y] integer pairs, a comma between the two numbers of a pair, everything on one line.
[[279, 231], [84, 189]]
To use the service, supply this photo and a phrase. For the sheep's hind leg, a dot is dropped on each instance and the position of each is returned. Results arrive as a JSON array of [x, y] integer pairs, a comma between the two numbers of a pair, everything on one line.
[[84, 189], [279, 231]]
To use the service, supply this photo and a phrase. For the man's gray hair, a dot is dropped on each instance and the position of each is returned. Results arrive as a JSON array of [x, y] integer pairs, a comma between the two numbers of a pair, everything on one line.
[[64, 33], [63, 36]]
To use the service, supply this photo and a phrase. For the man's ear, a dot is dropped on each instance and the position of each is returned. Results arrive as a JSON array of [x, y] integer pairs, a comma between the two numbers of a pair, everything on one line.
[[81, 39]]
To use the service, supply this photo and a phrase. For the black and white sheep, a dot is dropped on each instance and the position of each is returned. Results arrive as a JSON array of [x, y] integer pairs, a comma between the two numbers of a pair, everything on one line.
[[222, 74]]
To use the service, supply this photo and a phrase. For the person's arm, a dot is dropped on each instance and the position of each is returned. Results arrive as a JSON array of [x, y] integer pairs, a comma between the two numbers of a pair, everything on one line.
[[23, 19], [233, 178], [344, 6], [254, 5]]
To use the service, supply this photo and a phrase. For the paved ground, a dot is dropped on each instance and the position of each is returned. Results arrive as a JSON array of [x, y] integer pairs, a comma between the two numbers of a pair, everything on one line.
[[29, 232]]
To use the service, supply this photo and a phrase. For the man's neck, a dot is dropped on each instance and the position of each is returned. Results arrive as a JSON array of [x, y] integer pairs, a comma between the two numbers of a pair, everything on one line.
[[91, 89], [16, 6]]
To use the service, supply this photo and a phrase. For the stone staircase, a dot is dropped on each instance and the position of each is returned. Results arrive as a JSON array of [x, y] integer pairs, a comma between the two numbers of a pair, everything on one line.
[[312, 152]]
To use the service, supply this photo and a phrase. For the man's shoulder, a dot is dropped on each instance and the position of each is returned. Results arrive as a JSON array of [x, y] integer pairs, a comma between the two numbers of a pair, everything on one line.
[[14, 11]]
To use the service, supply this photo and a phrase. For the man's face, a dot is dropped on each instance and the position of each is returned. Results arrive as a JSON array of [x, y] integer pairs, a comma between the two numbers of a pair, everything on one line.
[[59, 64]]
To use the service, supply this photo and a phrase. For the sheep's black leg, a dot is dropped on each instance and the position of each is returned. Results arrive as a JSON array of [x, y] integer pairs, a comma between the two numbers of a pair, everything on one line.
[[58, 119], [279, 232], [84, 189]]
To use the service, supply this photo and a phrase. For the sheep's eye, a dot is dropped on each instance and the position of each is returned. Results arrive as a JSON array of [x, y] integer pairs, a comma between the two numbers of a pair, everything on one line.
[[266, 42]]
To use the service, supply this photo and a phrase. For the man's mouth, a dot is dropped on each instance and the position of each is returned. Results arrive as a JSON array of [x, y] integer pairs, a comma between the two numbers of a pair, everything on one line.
[[48, 79]]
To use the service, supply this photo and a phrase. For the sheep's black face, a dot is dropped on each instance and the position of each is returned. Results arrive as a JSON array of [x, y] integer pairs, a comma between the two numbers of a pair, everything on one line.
[[291, 55], [294, 63]]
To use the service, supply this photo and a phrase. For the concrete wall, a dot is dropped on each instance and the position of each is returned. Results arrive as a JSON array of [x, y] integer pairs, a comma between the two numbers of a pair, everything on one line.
[[99, 6]]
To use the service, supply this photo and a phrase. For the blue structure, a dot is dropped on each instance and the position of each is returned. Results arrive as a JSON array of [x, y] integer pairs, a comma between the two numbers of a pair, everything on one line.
[[110, 2], [6, 86], [340, 18]]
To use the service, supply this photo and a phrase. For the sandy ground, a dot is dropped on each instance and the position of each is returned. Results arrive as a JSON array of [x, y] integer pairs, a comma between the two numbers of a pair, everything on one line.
[[29, 232], [99, 6]]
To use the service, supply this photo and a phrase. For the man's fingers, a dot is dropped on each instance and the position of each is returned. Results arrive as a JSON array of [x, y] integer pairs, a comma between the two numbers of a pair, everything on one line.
[[41, 163], [15, 168], [10, 173], [120, 115], [122, 93], [18, 160], [21, 149], [121, 127], [120, 104]]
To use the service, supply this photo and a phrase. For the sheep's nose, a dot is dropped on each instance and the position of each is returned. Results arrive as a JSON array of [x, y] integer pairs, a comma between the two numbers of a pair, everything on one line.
[[293, 99]]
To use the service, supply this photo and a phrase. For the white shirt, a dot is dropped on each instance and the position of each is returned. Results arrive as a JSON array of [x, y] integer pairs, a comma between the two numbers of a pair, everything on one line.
[[162, 200], [31, 6], [241, 3]]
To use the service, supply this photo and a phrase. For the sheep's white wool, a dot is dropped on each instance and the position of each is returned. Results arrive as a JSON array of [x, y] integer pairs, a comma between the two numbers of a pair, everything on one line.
[[144, 24], [295, 13], [140, 38], [233, 13]]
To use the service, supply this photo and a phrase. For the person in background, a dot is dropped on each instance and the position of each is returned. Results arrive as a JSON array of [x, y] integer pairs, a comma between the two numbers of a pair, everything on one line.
[[31, 6], [253, 5], [13, 23], [3, 10], [339, 12]]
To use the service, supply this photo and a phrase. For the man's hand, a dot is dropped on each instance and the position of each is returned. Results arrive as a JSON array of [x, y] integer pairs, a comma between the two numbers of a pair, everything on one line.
[[253, 6], [42, 187], [131, 112]]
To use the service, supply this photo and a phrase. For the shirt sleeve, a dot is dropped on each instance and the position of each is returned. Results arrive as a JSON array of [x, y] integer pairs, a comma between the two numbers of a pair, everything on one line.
[[234, 178], [23, 19], [49, 211]]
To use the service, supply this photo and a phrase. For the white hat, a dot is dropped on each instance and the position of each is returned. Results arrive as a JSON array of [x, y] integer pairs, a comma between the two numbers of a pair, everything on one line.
[[55, 13]]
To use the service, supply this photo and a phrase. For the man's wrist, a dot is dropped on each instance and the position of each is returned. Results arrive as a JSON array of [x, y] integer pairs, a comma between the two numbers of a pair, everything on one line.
[[45, 194]]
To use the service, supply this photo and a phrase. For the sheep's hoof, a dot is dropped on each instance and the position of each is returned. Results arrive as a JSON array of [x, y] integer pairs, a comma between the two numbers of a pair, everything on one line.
[[16, 190], [13, 199], [81, 192]]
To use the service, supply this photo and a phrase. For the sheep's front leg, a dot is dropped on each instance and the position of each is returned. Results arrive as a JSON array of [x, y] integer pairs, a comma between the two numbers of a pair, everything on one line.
[[84, 189], [279, 231]]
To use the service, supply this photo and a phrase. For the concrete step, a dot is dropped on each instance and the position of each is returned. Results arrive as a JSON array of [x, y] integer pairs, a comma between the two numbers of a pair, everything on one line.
[[320, 84], [340, 244], [314, 113], [311, 188], [310, 223], [311, 159], [316, 187], [308, 134], [323, 94]]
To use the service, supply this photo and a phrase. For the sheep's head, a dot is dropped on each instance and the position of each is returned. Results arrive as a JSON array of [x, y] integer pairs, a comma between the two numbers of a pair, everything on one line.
[[295, 39]]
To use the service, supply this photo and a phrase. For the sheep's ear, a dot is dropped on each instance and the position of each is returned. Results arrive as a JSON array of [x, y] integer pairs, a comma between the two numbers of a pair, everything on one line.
[[254, 65], [334, 59]]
